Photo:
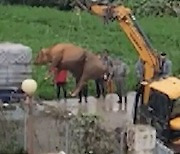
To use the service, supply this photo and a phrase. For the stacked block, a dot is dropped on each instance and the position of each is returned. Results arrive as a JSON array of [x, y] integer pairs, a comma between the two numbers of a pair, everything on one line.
[[141, 139]]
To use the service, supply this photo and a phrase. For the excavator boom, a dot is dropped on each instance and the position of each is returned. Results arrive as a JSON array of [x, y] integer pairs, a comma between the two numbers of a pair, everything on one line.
[[133, 31], [128, 23]]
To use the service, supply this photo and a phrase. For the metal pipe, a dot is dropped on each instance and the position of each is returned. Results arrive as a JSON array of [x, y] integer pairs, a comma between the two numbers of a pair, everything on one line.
[[29, 127]]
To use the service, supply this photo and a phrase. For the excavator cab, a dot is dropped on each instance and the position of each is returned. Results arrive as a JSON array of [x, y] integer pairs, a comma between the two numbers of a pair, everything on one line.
[[163, 111]]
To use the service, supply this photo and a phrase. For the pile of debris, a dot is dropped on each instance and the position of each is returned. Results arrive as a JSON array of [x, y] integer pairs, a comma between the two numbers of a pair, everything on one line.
[[157, 8], [140, 8], [61, 152]]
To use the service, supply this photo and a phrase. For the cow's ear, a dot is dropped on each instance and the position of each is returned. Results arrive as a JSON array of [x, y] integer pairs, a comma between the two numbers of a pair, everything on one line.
[[44, 51]]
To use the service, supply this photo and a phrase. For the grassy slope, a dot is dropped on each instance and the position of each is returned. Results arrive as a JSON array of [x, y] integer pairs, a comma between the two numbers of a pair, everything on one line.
[[41, 27]]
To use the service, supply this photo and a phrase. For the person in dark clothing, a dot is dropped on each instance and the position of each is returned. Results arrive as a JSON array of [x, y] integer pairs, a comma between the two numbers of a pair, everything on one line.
[[60, 81], [109, 13], [102, 82], [139, 67], [165, 65], [83, 92], [121, 71], [109, 80], [139, 94], [59, 86], [100, 87]]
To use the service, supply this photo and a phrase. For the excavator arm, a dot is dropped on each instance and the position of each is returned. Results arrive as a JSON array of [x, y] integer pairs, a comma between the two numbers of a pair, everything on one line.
[[129, 25]]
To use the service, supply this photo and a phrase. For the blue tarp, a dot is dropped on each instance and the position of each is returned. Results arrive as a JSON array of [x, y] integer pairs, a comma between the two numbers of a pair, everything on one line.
[[7, 95]]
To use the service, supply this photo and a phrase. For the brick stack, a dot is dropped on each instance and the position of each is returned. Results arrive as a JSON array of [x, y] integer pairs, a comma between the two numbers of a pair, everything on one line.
[[15, 64]]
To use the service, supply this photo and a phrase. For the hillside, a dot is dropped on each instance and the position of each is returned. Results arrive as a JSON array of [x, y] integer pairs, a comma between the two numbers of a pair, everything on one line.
[[41, 27]]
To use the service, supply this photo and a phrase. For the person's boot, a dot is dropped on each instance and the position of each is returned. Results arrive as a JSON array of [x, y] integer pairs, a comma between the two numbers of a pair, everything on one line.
[[80, 100], [58, 99], [125, 107], [86, 99], [120, 106], [120, 103], [103, 95], [97, 96], [65, 97], [125, 103], [65, 100]]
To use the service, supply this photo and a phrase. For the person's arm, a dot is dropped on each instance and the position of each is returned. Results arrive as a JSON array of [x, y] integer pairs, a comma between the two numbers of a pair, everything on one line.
[[139, 70], [125, 70], [110, 75], [47, 75], [67, 76], [169, 68], [110, 61], [51, 72], [111, 69]]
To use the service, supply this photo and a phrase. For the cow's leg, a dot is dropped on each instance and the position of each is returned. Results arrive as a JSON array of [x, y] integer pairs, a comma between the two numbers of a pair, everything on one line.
[[77, 76], [79, 85], [79, 73], [83, 78]]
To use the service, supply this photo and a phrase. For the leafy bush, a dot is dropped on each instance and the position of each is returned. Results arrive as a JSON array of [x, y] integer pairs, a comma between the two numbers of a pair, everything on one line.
[[156, 8], [93, 137], [60, 4], [15, 150], [41, 27], [87, 135], [139, 7], [9, 132]]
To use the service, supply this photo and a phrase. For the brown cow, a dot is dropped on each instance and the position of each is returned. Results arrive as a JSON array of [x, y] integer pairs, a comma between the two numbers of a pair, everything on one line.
[[82, 64]]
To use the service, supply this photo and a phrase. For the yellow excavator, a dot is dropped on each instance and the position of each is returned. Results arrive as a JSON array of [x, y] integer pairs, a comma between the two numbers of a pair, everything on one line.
[[160, 103]]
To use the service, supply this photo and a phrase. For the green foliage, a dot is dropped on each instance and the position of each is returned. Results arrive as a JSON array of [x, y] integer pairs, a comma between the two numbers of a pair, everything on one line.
[[152, 7], [41, 27], [156, 7], [139, 7], [93, 137], [12, 148], [87, 135], [59, 4], [9, 131]]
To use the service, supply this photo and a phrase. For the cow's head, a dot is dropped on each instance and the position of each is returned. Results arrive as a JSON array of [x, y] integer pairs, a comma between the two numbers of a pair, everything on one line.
[[42, 57]]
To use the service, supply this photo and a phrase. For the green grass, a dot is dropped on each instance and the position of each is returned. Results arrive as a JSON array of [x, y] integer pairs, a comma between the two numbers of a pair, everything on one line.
[[41, 27]]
